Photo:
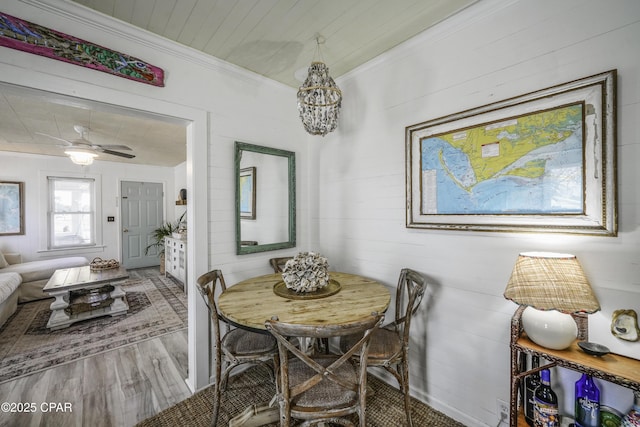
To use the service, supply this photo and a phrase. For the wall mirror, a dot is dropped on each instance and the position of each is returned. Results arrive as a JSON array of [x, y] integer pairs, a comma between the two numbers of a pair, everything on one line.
[[265, 198]]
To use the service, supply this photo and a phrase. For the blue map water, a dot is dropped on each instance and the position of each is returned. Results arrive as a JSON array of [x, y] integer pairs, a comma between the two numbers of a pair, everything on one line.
[[557, 191]]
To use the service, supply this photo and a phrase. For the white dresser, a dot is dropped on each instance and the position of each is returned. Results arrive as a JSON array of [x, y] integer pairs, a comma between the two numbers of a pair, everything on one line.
[[175, 259]]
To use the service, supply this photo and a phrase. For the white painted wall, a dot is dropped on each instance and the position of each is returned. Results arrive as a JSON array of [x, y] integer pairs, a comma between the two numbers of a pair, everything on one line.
[[492, 51], [33, 171]]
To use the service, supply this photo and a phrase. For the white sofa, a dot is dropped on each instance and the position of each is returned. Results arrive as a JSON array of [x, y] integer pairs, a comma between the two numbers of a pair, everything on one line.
[[23, 281]]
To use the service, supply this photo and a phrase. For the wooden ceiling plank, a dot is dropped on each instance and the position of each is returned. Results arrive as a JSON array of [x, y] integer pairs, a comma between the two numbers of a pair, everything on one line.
[[123, 10], [211, 25], [237, 17], [202, 10], [178, 18], [162, 11], [142, 10], [238, 36]]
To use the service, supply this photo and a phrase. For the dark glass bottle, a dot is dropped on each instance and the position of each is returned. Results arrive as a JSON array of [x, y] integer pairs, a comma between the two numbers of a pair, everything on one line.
[[587, 403], [545, 403], [530, 384]]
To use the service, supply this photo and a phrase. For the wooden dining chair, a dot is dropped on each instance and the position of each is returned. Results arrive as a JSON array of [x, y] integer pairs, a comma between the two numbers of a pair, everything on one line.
[[389, 346], [278, 263], [233, 346], [320, 387]]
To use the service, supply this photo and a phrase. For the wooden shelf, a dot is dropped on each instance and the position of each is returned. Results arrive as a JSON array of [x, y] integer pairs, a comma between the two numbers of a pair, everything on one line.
[[610, 367], [614, 368]]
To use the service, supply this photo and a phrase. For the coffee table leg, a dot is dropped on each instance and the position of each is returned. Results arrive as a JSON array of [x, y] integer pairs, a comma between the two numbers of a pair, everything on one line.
[[59, 318], [119, 306]]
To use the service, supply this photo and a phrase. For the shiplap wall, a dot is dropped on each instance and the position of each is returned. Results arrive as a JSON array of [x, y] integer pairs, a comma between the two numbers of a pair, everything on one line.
[[493, 50]]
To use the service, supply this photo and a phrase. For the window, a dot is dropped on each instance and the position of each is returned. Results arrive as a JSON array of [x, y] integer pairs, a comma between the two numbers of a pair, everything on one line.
[[72, 212]]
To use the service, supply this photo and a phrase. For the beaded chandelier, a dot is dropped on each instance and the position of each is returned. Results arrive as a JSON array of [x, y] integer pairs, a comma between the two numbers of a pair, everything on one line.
[[319, 100]]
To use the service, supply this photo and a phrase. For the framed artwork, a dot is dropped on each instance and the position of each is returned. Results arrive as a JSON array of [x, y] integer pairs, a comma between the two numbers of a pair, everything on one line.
[[11, 208], [541, 162], [248, 193]]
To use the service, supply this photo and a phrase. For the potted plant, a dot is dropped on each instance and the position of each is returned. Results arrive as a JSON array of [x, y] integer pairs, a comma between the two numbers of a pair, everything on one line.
[[165, 230]]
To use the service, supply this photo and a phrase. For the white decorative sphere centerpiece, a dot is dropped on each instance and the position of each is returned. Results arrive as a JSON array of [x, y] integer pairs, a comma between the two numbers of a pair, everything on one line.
[[306, 272]]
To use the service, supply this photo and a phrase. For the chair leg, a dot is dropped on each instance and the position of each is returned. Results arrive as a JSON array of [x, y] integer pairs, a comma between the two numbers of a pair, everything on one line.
[[216, 390], [216, 404], [405, 390]]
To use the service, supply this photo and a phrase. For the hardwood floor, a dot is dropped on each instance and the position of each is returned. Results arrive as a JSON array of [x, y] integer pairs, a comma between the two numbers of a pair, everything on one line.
[[117, 388]]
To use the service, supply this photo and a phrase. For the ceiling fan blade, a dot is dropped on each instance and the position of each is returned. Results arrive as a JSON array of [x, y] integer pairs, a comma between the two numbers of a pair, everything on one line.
[[55, 137], [112, 147], [117, 153]]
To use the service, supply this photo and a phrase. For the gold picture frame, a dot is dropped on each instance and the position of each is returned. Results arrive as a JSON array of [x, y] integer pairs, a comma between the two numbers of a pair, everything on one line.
[[541, 162]]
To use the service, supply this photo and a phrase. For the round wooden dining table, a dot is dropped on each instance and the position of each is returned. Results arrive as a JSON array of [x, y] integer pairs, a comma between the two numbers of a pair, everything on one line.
[[252, 302]]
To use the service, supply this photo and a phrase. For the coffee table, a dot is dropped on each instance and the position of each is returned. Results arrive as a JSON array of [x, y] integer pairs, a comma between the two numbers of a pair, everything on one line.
[[82, 293]]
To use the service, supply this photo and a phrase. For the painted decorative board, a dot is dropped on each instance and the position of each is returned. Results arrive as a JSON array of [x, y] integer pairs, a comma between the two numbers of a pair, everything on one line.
[[26, 36]]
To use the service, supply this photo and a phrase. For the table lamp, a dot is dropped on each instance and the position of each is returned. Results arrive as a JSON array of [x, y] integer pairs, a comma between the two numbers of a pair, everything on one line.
[[553, 286]]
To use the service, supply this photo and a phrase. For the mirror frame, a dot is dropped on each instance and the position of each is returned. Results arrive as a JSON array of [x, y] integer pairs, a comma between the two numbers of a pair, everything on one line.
[[291, 161]]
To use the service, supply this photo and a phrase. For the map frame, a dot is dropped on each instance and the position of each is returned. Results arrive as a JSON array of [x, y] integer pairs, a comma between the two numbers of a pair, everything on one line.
[[598, 216]]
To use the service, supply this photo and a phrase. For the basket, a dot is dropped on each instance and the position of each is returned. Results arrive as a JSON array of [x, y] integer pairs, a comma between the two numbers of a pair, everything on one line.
[[103, 264], [84, 300]]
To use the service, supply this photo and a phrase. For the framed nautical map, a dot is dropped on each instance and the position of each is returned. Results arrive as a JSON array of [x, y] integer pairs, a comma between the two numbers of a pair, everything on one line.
[[541, 162]]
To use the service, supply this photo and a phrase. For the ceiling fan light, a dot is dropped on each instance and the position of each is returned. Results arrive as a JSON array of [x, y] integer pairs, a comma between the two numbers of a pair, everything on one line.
[[81, 157]]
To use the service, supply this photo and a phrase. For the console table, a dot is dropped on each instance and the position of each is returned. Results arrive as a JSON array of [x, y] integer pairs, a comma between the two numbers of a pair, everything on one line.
[[175, 262], [611, 367]]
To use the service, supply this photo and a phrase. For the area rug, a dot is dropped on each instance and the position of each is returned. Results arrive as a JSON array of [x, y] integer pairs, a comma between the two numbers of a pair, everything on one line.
[[385, 405], [156, 306]]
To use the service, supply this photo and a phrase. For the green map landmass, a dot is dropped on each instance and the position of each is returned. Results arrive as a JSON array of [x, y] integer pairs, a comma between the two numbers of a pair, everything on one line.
[[516, 138]]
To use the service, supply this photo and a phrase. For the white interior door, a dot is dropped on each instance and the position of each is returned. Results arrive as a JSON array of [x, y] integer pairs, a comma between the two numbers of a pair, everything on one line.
[[141, 213]]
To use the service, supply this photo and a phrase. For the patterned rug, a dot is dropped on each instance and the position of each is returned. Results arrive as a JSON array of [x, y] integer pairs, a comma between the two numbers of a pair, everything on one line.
[[156, 306], [385, 404]]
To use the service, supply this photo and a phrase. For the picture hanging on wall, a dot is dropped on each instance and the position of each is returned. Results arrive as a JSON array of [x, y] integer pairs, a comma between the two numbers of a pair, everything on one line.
[[11, 208], [540, 162], [26, 36], [248, 193]]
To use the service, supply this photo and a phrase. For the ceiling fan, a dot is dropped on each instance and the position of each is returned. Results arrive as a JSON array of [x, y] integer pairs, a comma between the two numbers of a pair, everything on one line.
[[82, 151]]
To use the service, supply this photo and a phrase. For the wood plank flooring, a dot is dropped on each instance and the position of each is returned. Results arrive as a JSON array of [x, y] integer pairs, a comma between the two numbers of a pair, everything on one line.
[[117, 388]]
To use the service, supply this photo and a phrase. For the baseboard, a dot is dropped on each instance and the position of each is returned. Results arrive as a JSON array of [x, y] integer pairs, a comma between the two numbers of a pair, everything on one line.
[[425, 398]]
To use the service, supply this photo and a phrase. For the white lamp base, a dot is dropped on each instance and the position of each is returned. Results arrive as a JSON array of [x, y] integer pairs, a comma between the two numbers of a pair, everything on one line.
[[550, 329]]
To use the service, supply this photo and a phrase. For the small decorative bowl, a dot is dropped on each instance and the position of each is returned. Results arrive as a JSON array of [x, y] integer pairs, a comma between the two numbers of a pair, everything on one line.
[[593, 349], [610, 417]]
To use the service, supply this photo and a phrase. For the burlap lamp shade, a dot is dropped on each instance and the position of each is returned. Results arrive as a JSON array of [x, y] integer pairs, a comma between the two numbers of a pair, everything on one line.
[[552, 284]]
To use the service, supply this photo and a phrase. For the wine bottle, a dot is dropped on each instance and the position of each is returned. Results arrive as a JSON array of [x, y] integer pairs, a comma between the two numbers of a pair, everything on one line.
[[530, 384], [545, 403], [632, 419], [587, 402]]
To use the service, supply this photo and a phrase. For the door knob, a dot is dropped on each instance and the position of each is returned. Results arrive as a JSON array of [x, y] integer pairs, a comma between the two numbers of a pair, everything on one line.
[[126, 230]]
